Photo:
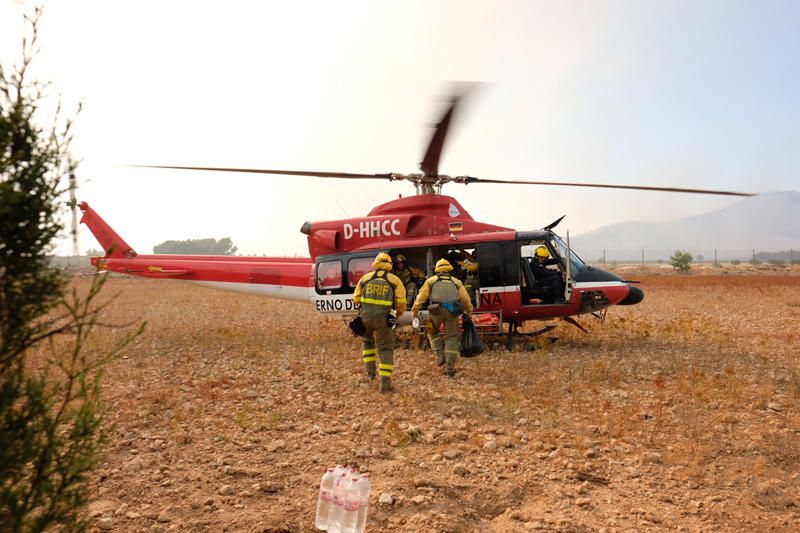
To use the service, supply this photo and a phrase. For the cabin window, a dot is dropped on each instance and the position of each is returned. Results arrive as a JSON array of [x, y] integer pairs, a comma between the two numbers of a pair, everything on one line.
[[357, 268], [329, 275], [498, 264]]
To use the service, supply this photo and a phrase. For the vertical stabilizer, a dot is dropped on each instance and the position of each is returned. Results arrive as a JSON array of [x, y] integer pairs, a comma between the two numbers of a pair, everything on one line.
[[112, 243]]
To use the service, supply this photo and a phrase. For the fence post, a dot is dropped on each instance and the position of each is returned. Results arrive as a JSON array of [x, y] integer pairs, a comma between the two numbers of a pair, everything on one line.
[[642, 256], [604, 258], [715, 258]]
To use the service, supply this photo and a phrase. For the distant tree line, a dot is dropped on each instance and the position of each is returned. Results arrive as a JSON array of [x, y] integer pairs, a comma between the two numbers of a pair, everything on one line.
[[222, 246]]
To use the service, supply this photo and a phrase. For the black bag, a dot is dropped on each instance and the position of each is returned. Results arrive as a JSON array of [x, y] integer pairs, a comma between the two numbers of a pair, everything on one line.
[[471, 343], [357, 327]]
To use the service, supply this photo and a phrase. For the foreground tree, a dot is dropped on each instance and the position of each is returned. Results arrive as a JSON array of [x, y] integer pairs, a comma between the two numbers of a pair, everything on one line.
[[681, 260], [222, 246], [51, 422]]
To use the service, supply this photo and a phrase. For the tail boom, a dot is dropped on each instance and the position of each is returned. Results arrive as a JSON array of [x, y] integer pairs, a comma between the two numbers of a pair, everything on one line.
[[287, 278]]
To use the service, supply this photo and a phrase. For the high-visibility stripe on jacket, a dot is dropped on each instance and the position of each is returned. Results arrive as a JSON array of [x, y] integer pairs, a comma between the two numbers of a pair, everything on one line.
[[380, 289]]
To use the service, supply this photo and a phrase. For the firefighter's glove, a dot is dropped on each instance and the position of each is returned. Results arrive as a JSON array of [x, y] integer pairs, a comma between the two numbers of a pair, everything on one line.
[[357, 327], [391, 321]]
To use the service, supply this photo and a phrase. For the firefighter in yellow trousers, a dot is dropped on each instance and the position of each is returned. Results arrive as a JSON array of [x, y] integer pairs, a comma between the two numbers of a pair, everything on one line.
[[378, 293], [449, 299]]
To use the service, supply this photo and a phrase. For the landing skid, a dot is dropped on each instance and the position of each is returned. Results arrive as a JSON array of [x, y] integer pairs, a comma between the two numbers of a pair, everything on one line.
[[526, 340]]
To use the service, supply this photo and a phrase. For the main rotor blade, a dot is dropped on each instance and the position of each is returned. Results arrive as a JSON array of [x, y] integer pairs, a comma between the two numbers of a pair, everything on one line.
[[471, 179], [430, 163], [345, 175]]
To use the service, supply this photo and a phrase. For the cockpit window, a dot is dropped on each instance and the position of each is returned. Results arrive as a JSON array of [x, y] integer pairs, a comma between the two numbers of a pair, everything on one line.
[[561, 247]]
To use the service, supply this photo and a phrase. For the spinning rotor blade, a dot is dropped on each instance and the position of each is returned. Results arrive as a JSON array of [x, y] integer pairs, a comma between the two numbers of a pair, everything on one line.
[[73, 206], [470, 179], [345, 175], [430, 163]]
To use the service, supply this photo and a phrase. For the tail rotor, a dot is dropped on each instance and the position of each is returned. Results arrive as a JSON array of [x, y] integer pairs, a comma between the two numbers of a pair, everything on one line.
[[72, 184]]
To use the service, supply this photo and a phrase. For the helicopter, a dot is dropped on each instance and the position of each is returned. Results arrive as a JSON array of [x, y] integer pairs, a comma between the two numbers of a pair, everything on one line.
[[423, 228]]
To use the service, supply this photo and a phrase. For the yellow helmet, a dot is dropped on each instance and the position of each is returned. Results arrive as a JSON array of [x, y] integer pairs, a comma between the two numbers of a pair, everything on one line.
[[443, 265], [400, 257], [541, 251], [383, 261]]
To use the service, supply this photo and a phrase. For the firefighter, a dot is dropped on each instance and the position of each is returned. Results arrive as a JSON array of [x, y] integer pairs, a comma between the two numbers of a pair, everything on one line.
[[456, 260], [472, 280], [546, 276], [409, 275], [448, 299], [379, 293]]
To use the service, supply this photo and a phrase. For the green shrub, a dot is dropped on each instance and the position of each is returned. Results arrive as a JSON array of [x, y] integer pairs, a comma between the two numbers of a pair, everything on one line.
[[51, 420], [681, 260]]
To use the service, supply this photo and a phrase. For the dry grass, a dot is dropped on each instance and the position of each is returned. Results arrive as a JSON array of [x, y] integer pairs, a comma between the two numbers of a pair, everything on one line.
[[685, 408]]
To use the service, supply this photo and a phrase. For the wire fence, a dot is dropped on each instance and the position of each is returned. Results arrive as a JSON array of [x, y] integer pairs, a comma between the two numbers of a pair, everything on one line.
[[611, 256]]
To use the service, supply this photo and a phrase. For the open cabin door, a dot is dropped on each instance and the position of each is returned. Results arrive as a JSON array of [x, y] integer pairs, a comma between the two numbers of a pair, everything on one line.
[[499, 276]]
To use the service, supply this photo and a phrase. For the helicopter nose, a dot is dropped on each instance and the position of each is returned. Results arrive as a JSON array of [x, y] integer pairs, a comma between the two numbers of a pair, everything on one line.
[[635, 295]]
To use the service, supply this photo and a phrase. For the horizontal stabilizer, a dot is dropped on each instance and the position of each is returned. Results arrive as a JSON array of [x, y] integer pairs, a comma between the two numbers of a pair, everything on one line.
[[157, 270]]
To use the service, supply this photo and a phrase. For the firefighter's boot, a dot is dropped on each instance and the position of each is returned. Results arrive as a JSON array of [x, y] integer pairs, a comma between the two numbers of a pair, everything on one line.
[[440, 359], [450, 360], [385, 385]]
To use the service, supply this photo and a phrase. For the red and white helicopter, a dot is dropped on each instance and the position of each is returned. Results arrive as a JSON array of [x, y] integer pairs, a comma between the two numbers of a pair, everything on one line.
[[424, 228]]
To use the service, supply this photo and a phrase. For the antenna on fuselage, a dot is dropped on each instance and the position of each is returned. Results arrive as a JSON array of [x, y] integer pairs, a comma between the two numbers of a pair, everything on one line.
[[553, 224]]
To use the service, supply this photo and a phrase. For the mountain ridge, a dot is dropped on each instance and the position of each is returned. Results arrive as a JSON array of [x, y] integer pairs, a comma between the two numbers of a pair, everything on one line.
[[766, 222]]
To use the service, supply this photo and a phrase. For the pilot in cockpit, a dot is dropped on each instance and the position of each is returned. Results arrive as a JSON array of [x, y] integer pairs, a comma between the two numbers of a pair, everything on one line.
[[545, 276]]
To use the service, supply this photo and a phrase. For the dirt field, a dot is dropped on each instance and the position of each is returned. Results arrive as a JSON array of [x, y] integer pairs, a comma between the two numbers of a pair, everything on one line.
[[680, 413]]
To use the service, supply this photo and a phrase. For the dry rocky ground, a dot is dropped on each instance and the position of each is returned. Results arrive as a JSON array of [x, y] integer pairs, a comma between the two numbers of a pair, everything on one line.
[[680, 413]]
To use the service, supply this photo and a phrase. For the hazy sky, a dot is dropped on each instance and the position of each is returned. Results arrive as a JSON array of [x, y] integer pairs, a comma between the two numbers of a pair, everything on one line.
[[691, 94]]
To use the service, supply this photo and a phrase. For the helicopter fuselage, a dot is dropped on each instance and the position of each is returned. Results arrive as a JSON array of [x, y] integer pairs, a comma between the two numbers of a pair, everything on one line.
[[424, 228]]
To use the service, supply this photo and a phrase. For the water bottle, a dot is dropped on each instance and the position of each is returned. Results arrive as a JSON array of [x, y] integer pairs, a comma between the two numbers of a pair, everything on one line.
[[352, 501], [337, 504], [363, 506], [324, 500], [323, 516]]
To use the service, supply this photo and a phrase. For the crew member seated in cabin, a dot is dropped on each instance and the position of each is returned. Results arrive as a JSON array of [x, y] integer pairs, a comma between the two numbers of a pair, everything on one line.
[[411, 277], [543, 276], [454, 258], [463, 262], [472, 280]]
